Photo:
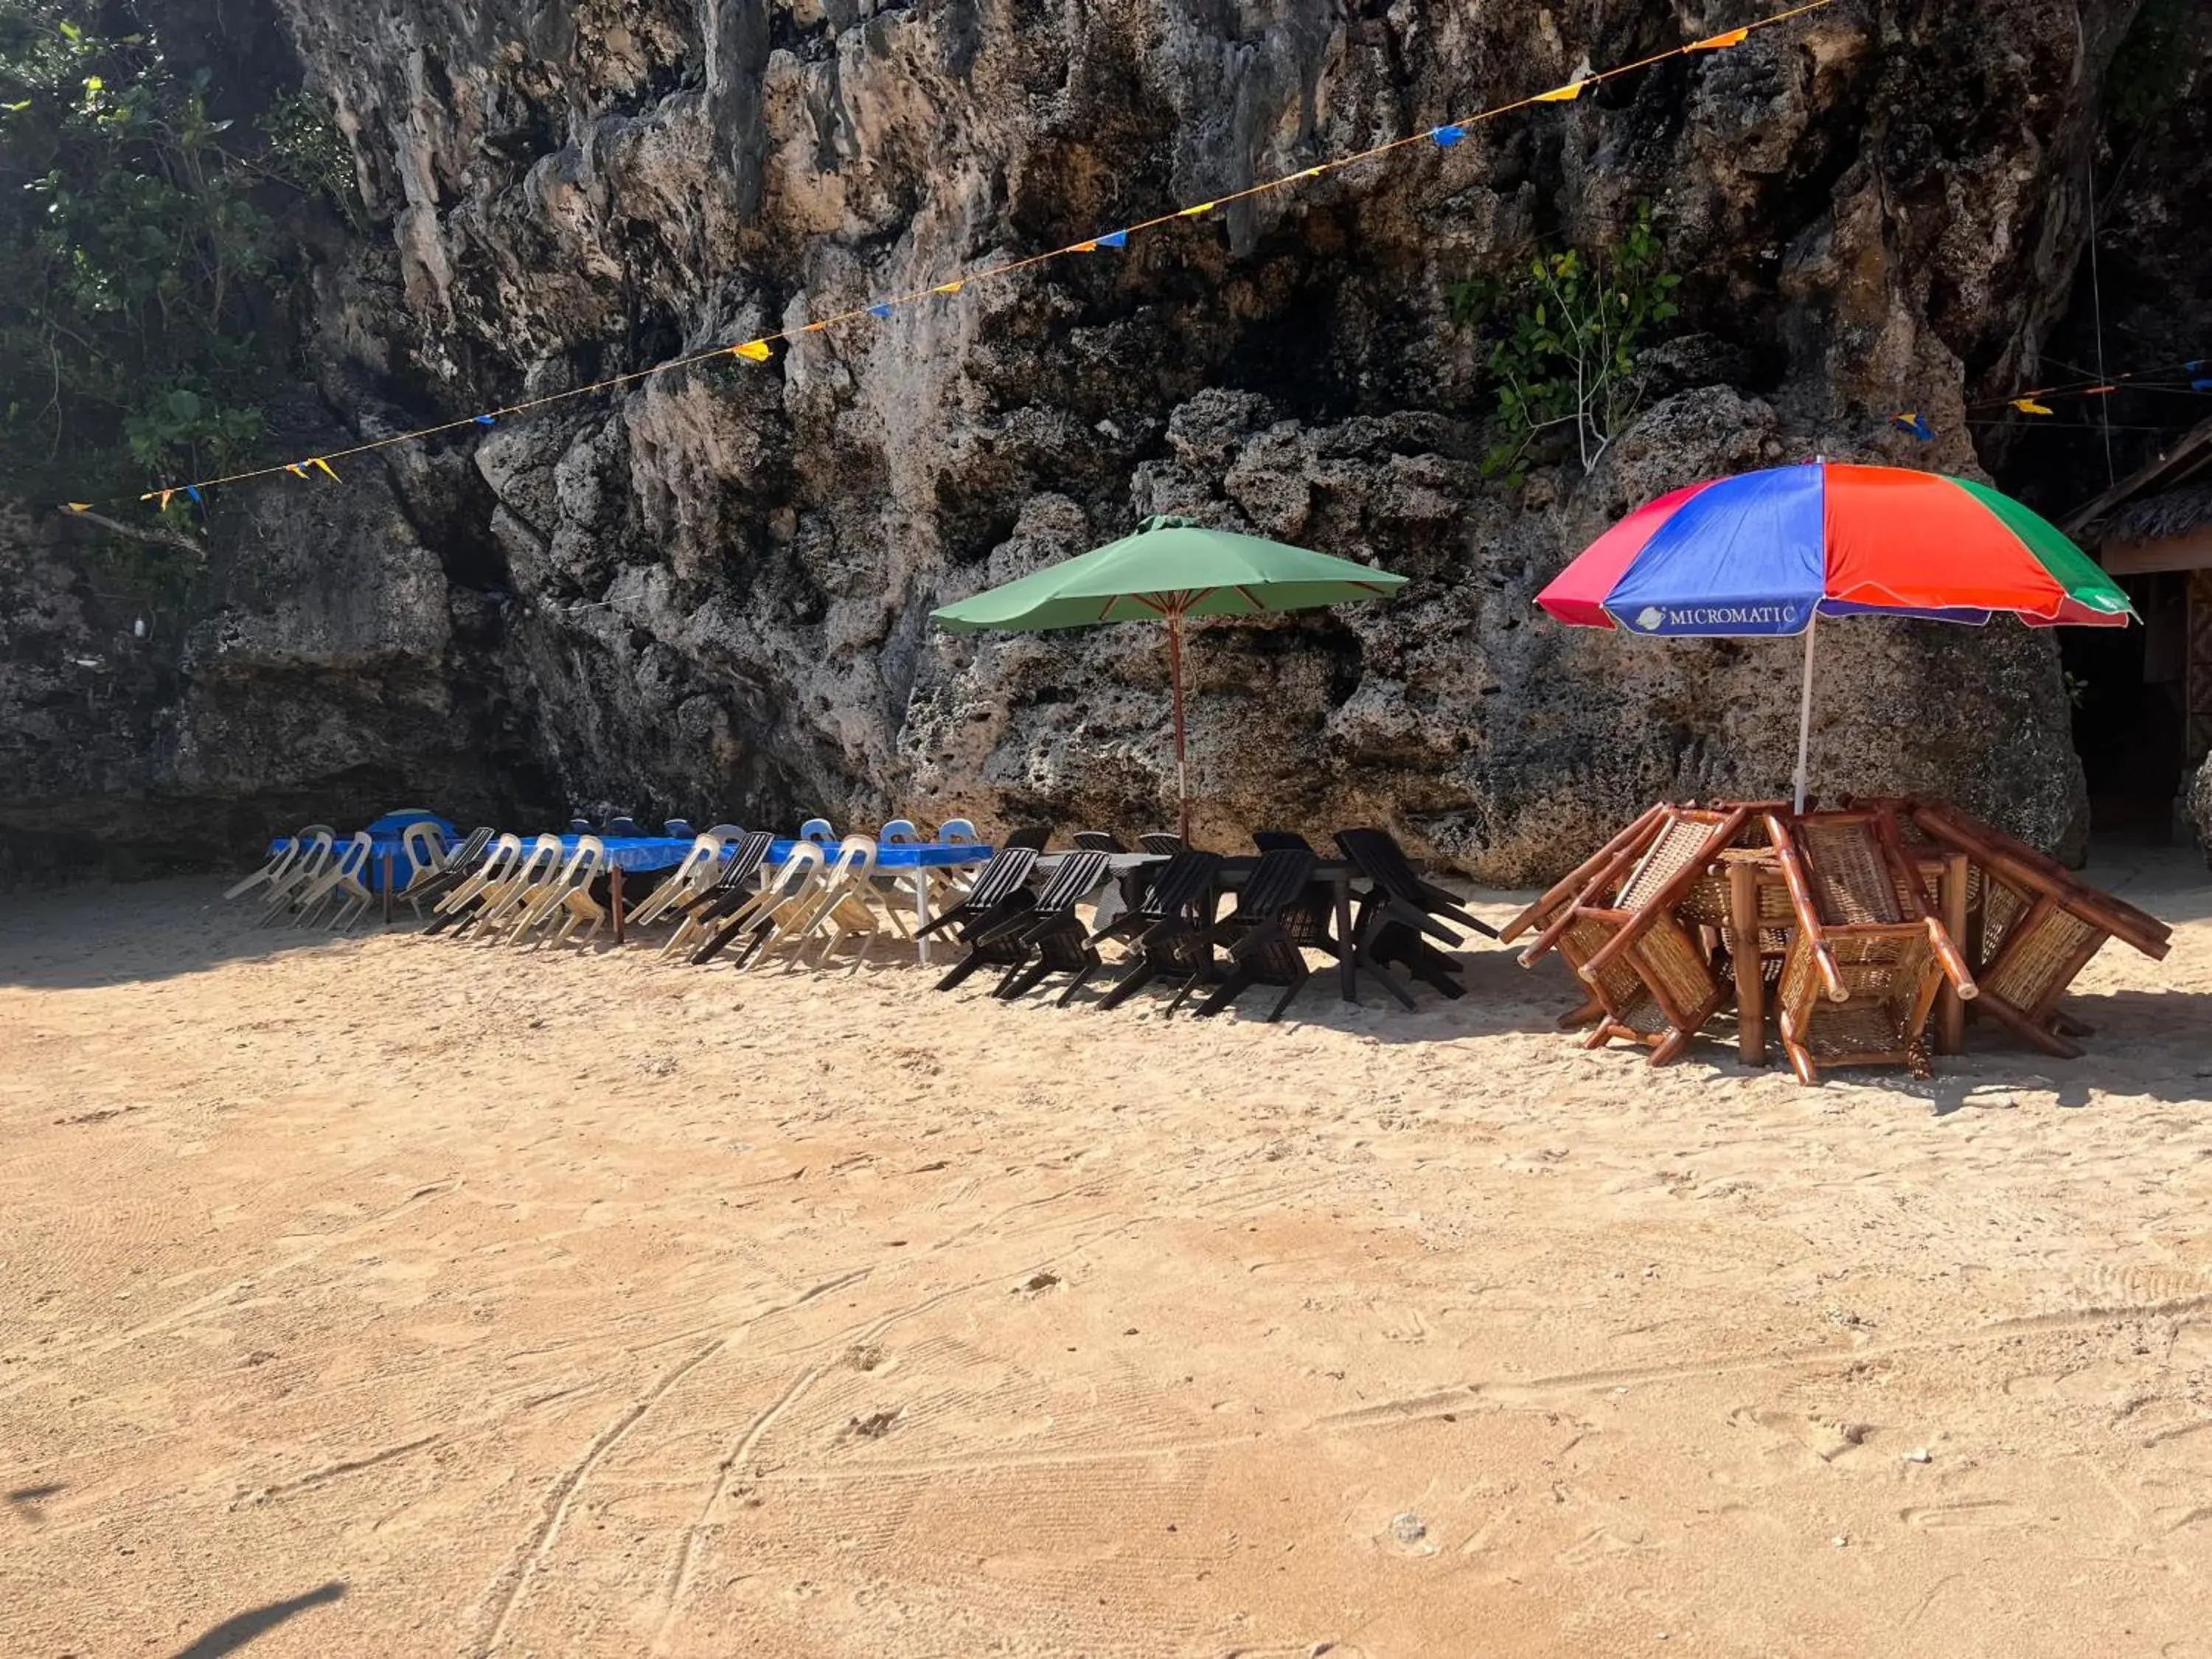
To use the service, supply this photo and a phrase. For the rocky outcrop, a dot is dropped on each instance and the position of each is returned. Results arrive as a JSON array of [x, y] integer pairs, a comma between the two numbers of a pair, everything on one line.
[[708, 589], [2200, 808]]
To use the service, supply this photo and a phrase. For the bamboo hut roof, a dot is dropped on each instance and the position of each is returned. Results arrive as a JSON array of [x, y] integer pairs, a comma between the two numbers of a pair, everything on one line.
[[2151, 503]]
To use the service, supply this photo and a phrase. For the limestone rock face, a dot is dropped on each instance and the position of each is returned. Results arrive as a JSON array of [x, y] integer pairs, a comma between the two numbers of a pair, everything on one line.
[[706, 590], [2200, 808]]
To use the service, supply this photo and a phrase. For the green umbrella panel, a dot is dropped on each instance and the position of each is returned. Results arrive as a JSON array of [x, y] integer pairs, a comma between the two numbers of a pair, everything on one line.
[[1170, 570]]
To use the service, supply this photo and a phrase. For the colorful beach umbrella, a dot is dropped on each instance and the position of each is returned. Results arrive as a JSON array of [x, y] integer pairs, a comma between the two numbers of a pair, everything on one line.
[[1769, 552], [1170, 571]]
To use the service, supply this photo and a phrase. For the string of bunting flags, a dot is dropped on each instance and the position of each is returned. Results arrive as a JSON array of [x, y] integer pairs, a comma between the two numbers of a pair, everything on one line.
[[2190, 378], [761, 349]]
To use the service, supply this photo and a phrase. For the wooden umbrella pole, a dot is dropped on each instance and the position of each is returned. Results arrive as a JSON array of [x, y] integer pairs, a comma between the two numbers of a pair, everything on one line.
[[1183, 768]]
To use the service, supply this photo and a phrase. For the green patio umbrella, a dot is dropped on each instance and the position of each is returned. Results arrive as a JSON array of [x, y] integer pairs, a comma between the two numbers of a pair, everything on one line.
[[1170, 570]]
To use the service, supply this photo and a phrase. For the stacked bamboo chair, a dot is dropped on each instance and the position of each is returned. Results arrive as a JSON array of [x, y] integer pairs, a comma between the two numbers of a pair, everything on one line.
[[1648, 979]]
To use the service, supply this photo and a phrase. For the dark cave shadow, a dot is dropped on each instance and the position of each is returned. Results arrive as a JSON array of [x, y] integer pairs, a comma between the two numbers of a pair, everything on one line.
[[235, 1632]]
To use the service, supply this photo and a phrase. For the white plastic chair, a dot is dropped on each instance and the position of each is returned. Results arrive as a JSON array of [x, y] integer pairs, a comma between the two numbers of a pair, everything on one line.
[[567, 895], [503, 900], [794, 879], [686, 882], [837, 907], [499, 864], [341, 880], [288, 853]]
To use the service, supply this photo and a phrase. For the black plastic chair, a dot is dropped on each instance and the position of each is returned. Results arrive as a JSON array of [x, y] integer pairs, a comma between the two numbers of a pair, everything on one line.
[[1053, 936], [460, 866], [1175, 888], [1031, 835], [1005, 943], [1000, 890], [1176, 918], [1097, 841], [1281, 841], [1262, 950], [1399, 917], [1162, 841], [730, 893]]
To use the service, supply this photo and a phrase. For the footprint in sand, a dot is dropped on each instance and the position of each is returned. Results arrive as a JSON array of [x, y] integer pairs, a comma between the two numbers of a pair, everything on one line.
[[1982, 1513]]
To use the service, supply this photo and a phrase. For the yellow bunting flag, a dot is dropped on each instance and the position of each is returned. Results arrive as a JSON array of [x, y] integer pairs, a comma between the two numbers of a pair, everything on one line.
[[79, 506], [2029, 406], [1313, 173], [1192, 212], [949, 287], [1565, 95], [165, 495], [1719, 42], [324, 467], [753, 351]]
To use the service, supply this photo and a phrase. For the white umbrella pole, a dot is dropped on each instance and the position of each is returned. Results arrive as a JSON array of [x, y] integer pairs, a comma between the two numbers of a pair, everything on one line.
[[1805, 712]]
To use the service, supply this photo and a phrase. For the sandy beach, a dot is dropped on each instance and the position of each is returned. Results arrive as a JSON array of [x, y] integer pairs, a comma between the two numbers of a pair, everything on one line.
[[395, 1296]]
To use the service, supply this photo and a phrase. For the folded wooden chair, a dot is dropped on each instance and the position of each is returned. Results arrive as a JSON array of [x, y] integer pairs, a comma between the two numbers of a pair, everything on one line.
[[1647, 980], [1005, 944], [1170, 929], [791, 879], [2040, 925], [733, 888], [1399, 916], [451, 906], [1054, 935], [1259, 933], [1868, 958]]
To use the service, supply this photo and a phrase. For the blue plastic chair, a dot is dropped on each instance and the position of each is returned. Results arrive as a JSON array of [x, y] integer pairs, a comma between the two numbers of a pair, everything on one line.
[[678, 830], [622, 825], [818, 832], [956, 831], [899, 832]]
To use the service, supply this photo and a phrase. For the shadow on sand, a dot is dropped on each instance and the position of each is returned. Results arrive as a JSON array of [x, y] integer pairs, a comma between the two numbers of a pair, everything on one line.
[[81, 937], [235, 1632]]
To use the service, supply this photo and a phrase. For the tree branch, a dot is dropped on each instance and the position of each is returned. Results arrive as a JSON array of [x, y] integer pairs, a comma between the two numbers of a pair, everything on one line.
[[159, 535]]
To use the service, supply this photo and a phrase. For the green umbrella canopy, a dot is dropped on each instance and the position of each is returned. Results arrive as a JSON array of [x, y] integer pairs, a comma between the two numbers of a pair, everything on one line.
[[1169, 570], [1170, 567]]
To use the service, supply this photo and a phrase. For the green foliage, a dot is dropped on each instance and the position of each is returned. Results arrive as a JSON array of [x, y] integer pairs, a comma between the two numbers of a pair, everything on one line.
[[143, 268], [1563, 340], [2151, 67]]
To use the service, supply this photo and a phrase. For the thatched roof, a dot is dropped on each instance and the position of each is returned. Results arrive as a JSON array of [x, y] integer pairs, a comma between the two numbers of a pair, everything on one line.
[[2144, 490], [2154, 518]]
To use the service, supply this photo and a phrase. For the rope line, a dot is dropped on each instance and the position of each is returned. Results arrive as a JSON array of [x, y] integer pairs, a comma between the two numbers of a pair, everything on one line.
[[759, 350]]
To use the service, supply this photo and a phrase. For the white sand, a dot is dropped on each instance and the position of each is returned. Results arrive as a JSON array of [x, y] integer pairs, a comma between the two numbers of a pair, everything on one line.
[[582, 1304]]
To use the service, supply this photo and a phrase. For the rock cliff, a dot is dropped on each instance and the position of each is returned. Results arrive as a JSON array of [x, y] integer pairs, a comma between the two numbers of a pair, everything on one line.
[[706, 591]]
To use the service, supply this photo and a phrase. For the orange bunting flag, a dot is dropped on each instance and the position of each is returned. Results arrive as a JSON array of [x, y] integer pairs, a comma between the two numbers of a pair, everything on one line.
[[1192, 212], [753, 351], [1085, 248], [816, 328], [1719, 42], [2029, 406], [1565, 95], [165, 495], [2099, 390], [295, 469], [949, 287], [324, 467]]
